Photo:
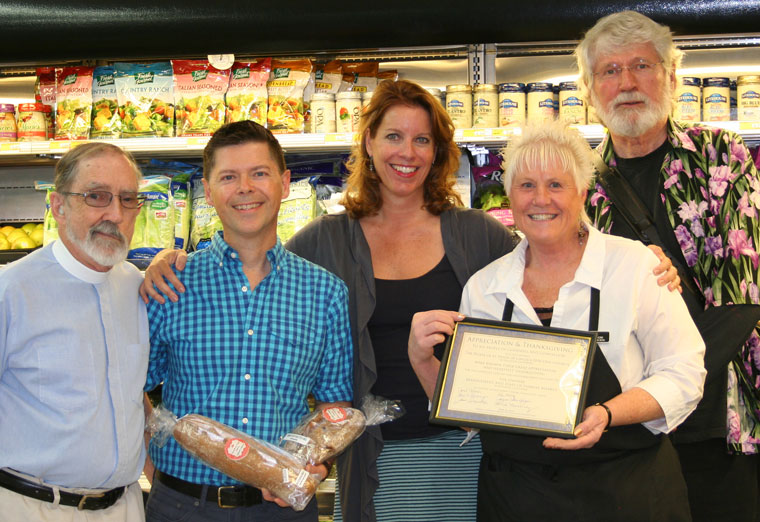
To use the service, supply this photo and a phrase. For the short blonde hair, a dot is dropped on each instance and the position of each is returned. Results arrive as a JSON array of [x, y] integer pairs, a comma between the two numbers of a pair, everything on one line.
[[620, 30], [549, 144]]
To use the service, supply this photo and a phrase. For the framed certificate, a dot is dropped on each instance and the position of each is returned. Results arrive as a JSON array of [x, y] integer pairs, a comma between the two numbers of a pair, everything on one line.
[[528, 379]]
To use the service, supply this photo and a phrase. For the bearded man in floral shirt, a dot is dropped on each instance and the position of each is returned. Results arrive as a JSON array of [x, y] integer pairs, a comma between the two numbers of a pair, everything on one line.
[[702, 190]]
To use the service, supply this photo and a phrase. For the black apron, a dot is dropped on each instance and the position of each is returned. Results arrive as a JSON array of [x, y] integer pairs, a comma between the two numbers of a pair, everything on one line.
[[630, 474]]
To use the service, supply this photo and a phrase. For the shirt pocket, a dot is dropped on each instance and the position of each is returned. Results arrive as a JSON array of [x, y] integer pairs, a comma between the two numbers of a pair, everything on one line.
[[66, 379], [295, 346]]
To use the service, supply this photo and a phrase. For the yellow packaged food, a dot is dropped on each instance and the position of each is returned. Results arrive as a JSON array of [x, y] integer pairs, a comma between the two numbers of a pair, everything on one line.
[[247, 94], [285, 91]]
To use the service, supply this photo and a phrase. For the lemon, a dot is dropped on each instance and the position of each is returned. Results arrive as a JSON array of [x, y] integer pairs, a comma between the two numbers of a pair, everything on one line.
[[4, 243], [36, 235], [28, 227], [7, 229], [16, 234], [22, 243]]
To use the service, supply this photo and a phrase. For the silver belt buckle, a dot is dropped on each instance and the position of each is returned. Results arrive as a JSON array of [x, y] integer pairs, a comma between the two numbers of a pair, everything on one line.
[[80, 506]]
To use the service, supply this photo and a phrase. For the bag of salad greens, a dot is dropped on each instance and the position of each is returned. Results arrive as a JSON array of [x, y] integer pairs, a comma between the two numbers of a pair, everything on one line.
[[180, 174], [297, 210], [73, 103], [247, 94], [154, 228], [204, 221], [199, 90], [146, 99], [106, 122]]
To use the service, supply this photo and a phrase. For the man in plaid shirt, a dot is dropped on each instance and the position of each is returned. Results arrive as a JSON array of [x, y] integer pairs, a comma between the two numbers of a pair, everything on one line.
[[256, 331]]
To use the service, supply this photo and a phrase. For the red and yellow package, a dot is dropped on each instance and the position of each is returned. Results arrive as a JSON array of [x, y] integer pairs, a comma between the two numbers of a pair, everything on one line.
[[199, 90], [73, 103]]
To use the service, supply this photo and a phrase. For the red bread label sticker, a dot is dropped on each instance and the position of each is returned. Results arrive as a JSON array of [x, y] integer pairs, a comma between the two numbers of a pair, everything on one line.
[[334, 414], [236, 449]]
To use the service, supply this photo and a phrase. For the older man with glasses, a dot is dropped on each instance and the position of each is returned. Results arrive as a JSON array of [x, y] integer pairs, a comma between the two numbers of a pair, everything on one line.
[[74, 353], [695, 191]]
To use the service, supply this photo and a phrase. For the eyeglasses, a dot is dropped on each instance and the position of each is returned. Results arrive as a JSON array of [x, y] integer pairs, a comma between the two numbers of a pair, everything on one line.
[[640, 69], [101, 198]]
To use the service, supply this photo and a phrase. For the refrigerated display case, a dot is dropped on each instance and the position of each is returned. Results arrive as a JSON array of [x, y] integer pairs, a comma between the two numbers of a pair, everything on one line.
[[531, 45]]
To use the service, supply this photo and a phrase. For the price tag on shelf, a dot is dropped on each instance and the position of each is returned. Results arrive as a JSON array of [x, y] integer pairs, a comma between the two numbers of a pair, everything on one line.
[[340, 137], [476, 133], [10, 147], [505, 132], [749, 125], [75, 144], [197, 140], [59, 146]]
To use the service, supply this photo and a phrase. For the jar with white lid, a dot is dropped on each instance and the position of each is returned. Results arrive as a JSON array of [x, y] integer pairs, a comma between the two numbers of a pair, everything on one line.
[[348, 109], [323, 112]]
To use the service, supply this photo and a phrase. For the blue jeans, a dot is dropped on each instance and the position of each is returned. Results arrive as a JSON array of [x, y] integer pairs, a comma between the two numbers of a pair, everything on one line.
[[167, 505]]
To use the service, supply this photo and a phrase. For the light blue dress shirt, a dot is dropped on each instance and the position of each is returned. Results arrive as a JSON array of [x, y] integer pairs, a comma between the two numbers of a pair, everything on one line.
[[73, 357]]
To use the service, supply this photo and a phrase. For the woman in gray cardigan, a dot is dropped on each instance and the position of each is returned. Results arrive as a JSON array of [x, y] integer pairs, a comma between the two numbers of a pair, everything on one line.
[[402, 246]]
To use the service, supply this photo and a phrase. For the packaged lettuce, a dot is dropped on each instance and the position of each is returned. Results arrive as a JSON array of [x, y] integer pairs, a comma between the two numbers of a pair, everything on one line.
[[204, 221], [146, 100], [247, 94], [73, 100], [285, 90], [154, 228], [180, 173], [199, 90], [50, 225], [106, 122], [297, 210]]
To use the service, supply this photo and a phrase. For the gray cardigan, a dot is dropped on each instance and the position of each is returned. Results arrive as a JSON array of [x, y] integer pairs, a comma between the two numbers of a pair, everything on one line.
[[471, 240]]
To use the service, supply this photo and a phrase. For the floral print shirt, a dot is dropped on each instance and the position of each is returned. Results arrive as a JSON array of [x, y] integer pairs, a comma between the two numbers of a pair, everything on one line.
[[711, 194]]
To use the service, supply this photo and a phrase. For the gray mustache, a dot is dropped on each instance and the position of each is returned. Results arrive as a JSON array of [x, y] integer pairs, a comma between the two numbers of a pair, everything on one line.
[[107, 227]]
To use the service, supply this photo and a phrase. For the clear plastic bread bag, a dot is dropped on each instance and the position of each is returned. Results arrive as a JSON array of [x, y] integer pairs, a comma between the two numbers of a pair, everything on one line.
[[237, 455], [325, 433]]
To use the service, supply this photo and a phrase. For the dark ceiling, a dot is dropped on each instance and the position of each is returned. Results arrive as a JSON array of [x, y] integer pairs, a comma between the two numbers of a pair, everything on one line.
[[50, 31]]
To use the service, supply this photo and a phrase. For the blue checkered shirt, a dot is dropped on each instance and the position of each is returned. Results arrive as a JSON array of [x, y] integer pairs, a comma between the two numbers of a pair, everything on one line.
[[248, 358]]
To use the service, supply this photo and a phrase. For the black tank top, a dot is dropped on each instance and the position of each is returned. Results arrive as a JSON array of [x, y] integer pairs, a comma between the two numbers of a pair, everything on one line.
[[396, 302]]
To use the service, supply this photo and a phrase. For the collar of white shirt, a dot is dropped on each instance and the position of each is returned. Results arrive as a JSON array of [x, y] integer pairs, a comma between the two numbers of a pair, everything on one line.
[[74, 267], [590, 271]]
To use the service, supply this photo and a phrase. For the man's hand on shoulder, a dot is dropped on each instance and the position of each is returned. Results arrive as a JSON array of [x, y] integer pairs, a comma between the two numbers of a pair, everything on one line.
[[159, 274]]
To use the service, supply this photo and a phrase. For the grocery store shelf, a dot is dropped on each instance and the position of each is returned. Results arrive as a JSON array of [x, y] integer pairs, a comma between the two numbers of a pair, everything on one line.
[[191, 146]]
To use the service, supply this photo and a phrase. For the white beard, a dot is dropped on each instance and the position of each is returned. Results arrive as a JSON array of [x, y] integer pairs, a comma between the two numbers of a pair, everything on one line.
[[629, 121], [104, 252]]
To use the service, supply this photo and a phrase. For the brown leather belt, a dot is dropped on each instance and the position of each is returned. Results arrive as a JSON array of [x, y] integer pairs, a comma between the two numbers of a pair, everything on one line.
[[224, 496], [31, 489]]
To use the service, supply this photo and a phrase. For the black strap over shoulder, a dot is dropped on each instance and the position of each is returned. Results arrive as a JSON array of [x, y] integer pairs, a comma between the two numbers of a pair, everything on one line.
[[636, 214]]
